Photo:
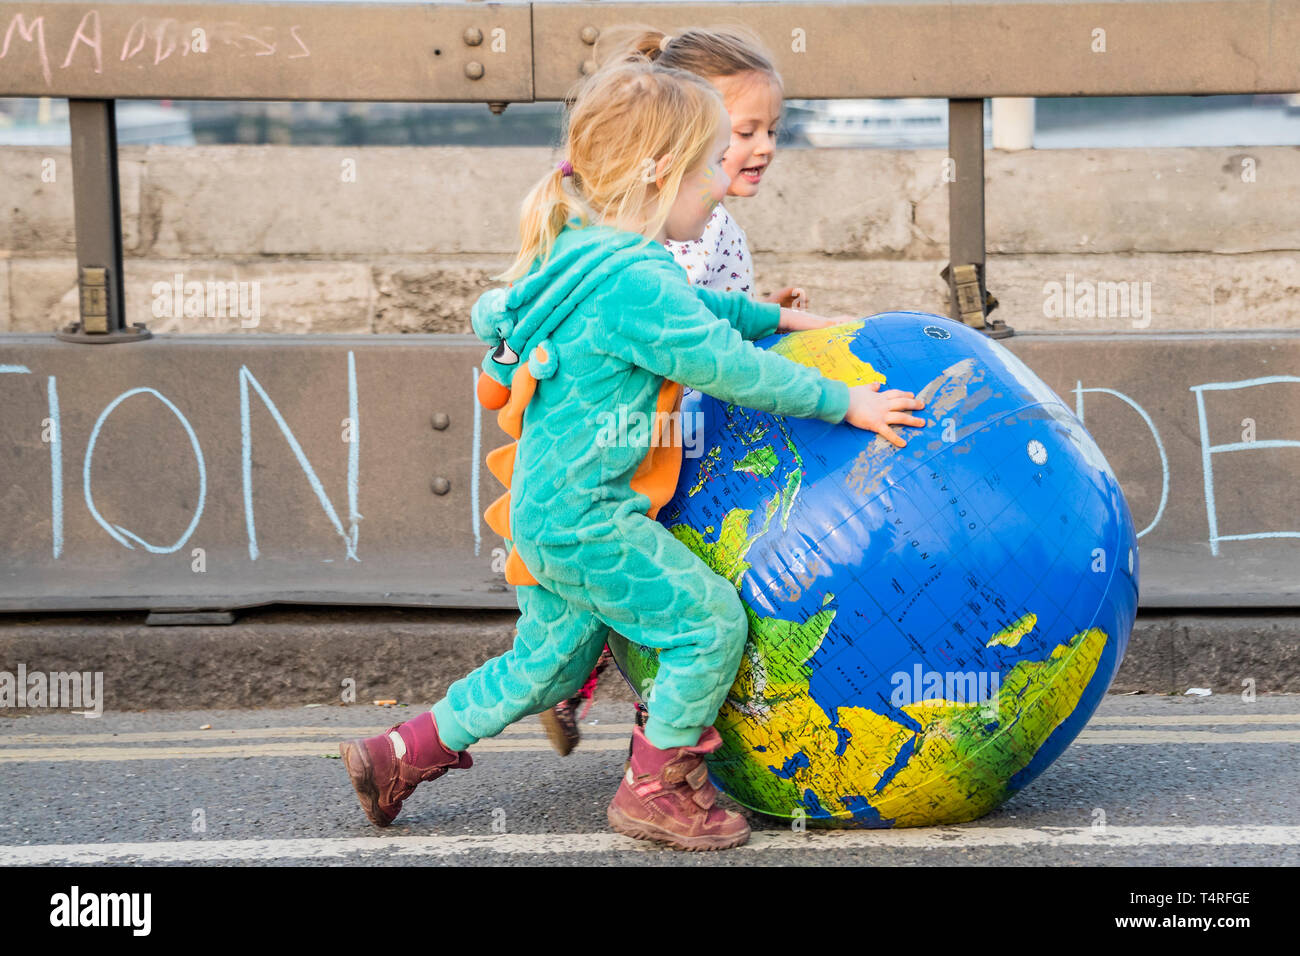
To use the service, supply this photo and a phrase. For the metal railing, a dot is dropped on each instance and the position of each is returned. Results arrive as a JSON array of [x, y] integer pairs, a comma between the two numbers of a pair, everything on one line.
[[499, 53]]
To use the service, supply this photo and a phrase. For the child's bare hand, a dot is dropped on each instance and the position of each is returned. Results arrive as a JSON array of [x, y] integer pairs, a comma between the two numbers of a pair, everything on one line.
[[874, 410], [794, 321], [791, 297]]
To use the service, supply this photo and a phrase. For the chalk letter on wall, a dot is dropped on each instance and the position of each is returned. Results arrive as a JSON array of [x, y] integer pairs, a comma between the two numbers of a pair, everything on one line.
[[1080, 391], [474, 459], [119, 533], [56, 456], [1207, 467], [349, 537], [56, 465]]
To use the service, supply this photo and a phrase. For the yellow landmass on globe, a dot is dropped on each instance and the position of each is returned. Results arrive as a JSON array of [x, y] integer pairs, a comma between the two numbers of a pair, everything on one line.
[[827, 350], [1010, 636], [952, 773], [960, 760]]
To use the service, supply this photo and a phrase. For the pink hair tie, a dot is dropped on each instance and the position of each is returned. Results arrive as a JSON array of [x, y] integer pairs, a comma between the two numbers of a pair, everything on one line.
[[566, 168]]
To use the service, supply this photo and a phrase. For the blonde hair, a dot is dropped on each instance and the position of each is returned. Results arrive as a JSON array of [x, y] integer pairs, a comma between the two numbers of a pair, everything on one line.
[[621, 120], [709, 52]]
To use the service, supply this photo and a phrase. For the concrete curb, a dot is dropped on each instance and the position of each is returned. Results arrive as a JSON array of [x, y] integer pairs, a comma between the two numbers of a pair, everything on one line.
[[282, 656]]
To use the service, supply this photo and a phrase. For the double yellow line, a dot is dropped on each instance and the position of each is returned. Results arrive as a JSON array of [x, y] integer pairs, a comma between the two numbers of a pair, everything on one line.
[[526, 736]]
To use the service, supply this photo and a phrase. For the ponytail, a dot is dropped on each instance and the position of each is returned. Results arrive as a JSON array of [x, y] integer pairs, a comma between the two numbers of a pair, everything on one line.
[[620, 118], [629, 42], [543, 214], [705, 51]]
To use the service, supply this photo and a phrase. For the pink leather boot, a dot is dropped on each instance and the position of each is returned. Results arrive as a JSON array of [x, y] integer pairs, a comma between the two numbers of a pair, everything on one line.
[[383, 780], [666, 796]]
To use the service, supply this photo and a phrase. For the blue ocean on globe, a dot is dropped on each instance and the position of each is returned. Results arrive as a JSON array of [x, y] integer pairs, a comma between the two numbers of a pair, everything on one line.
[[930, 626]]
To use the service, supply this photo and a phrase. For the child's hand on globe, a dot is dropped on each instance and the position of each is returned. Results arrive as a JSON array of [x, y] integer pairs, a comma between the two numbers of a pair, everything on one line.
[[792, 320], [874, 410]]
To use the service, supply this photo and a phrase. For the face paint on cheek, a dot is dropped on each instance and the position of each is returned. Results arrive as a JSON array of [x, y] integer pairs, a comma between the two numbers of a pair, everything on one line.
[[706, 193]]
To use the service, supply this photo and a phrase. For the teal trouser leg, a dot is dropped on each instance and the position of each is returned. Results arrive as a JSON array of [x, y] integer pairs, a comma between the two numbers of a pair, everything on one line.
[[553, 654], [633, 575]]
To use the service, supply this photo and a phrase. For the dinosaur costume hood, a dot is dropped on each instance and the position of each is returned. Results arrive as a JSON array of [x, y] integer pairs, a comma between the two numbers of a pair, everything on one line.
[[516, 320]]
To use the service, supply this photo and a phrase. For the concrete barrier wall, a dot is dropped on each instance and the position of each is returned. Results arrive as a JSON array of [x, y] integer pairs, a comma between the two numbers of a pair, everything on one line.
[[229, 471], [287, 657], [395, 239]]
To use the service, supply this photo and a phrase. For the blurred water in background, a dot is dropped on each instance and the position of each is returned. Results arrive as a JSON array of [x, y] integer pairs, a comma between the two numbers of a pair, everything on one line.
[[1060, 123]]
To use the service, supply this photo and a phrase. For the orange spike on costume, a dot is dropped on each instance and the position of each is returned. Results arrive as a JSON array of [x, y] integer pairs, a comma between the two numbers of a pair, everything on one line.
[[657, 475], [501, 462], [511, 416], [517, 572], [497, 516], [491, 393]]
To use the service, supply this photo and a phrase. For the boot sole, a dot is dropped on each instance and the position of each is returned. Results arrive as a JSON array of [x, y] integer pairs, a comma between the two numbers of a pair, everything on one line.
[[362, 772], [642, 830], [555, 731]]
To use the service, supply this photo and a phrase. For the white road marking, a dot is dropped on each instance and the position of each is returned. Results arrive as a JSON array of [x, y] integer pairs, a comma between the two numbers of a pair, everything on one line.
[[1138, 736], [1196, 720], [780, 841]]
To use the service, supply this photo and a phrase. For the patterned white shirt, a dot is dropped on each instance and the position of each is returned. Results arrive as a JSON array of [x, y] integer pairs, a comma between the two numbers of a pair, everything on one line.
[[719, 259]]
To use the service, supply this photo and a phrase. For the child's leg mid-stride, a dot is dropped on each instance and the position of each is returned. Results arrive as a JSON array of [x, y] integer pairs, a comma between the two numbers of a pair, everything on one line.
[[643, 582], [561, 721], [554, 652], [647, 585], [639, 580], [555, 648]]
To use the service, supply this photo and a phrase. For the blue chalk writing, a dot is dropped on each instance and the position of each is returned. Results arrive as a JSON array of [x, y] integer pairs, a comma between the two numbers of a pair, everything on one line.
[[247, 378], [117, 532], [1207, 450], [474, 466], [56, 467], [354, 447], [1079, 392]]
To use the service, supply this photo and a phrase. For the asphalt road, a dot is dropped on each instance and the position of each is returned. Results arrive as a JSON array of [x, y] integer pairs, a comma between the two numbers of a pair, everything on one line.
[[1175, 780]]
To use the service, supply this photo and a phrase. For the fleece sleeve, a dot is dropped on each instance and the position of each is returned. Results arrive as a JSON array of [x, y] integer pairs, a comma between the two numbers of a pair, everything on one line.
[[653, 319], [753, 320]]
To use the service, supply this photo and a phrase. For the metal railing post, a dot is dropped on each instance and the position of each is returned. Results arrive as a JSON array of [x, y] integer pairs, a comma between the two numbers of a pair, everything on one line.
[[98, 215], [969, 300]]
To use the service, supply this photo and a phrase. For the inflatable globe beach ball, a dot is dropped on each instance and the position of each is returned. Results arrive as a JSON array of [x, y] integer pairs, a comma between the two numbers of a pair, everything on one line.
[[930, 626]]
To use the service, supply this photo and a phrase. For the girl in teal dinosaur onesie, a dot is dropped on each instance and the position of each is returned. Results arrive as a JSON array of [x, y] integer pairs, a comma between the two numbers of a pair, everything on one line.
[[600, 326]]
